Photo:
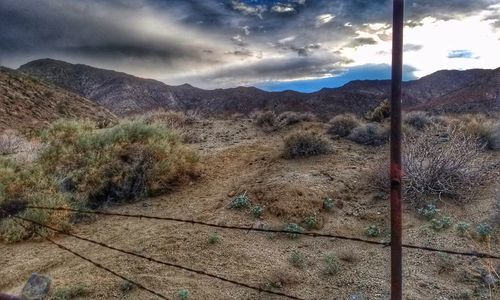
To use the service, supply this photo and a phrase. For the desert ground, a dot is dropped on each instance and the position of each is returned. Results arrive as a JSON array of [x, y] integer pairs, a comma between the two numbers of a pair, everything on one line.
[[237, 157]]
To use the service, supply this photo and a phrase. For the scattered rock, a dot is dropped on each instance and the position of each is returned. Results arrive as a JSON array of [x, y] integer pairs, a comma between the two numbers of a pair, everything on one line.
[[36, 288]]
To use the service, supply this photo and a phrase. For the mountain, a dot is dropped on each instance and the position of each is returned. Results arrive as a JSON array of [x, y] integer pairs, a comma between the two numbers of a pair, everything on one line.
[[123, 94], [28, 103]]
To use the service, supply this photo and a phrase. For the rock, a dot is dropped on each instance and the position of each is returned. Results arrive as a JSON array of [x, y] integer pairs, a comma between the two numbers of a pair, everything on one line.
[[231, 194], [357, 296], [36, 288], [490, 280]]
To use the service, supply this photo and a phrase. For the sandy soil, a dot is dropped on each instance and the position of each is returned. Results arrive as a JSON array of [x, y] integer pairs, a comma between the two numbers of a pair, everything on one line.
[[238, 157]]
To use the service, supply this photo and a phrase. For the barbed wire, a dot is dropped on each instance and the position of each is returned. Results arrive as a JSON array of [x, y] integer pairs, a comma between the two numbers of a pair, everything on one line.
[[247, 229], [96, 264], [151, 259]]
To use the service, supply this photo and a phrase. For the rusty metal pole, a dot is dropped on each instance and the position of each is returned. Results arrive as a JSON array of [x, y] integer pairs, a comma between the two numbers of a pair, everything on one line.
[[395, 168]]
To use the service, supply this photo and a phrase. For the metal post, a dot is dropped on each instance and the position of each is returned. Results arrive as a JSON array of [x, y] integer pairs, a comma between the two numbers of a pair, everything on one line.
[[395, 168]]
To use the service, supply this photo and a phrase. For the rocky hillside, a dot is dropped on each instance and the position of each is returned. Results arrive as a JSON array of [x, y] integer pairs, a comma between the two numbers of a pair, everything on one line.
[[27, 103], [458, 91]]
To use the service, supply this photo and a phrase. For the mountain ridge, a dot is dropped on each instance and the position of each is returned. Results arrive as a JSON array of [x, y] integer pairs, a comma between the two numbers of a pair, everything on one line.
[[126, 94]]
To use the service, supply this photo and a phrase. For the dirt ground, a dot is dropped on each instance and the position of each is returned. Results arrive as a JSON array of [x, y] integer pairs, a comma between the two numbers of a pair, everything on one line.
[[237, 157]]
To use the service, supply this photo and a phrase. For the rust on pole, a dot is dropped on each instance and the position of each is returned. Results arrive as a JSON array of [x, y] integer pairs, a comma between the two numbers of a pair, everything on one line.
[[395, 167]]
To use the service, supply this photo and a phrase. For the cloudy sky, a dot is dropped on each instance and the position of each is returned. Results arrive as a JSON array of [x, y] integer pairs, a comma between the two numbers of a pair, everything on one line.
[[286, 44]]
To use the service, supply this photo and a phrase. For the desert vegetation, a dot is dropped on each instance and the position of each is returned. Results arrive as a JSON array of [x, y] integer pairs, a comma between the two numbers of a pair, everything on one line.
[[270, 121], [304, 144], [83, 166]]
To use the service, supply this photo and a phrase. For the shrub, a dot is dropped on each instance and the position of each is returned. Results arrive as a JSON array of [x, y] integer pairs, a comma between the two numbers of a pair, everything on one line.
[[487, 132], [266, 120], [342, 125], [170, 118], [437, 166], [10, 142], [124, 162], [327, 204], [69, 293], [288, 118], [214, 238], [331, 264], [379, 113], [441, 222], [126, 286], [182, 294], [429, 211], [304, 144], [417, 119], [373, 231], [293, 230], [82, 166], [369, 134], [296, 259], [240, 201], [311, 221], [484, 230], [257, 211], [462, 227]]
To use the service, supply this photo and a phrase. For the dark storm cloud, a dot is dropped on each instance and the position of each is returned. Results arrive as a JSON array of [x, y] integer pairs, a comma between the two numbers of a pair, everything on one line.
[[156, 37]]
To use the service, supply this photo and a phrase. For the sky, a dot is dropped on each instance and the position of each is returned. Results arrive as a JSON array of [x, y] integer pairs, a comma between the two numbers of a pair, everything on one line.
[[303, 45]]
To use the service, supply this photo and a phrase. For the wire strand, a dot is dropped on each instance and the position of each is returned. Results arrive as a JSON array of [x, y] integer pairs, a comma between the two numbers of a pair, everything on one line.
[[243, 228], [201, 272]]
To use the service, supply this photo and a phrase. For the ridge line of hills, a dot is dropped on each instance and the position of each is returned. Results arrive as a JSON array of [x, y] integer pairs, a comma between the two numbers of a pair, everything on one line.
[[475, 90]]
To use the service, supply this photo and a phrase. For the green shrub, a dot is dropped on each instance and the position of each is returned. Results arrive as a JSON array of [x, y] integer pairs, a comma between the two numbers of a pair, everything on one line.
[[69, 293], [240, 201], [296, 259], [417, 119], [373, 231], [369, 134], [462, 227], [484, 230], [332, 266], [342, 125], [214, 238], [257, 211], [83, 166], [293, 230], [441, 222], [126, 286], [182, 294], [429, 211], [304, 144], [311, 222], [327, 204]]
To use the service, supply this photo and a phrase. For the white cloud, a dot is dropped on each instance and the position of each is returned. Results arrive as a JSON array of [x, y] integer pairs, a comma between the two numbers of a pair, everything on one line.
[[324, 19], [283, 8]]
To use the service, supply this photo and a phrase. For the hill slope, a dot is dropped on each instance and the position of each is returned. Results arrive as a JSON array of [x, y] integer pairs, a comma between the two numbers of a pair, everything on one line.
[[126, 94], [27, 103]]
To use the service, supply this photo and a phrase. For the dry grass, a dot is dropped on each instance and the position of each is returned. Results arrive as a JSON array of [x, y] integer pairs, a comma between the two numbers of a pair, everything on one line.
[[84, 166], [10, 142], [269, 121], [304, 144], [370, 134], [379, 113], [485, 130], [342, 125]]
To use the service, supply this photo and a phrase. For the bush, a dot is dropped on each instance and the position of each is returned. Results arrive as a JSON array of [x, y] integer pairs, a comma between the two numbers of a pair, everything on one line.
[[214, 238], [484, 230], [342, 125], [448, 166], [257, 211], [369, 134], [462, 228], [331, 264], [82, 166], [486, 131], [311, 222], [373, 231], [379, 113], [290, 118], [429, 211], [170, 118], [182, 294], [417, 119], [296, 259], [327, 204], [441, 222], [10, 142], [293, 230], [266, 120], [240, 201], [304, 144]]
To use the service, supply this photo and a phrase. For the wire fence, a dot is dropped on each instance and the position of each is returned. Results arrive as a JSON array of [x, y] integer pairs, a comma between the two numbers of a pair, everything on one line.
[[18, 220]]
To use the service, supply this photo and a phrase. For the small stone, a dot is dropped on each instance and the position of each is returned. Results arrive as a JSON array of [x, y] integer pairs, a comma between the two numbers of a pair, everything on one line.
[[231, 194], [36, 288], [358, 296]]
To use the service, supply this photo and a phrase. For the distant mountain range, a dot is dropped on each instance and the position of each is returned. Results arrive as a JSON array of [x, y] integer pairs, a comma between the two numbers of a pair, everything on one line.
[[29, 103], [473, 90]]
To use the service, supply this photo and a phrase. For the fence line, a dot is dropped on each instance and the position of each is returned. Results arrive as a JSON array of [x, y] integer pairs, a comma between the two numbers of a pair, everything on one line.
[[200, 272], [242, 228], [98, 265]]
